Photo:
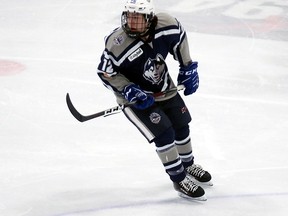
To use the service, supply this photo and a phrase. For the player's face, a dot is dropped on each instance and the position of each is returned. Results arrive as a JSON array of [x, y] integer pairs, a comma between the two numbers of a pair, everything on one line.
[[136, 22]]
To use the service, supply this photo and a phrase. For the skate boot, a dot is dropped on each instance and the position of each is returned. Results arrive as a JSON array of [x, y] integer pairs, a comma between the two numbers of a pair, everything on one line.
[[188, 189], [197, 172]]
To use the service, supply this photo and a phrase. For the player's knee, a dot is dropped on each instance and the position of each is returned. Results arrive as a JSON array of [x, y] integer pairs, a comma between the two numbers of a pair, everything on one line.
[[182, 132], [167, 137]]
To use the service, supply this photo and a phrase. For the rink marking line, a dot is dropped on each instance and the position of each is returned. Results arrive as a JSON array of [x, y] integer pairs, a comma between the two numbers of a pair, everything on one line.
[[168, 201], [253, 37], [122, 206]]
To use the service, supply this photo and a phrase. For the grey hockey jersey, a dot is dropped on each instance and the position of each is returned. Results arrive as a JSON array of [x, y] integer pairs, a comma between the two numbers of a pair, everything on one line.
[[127, 60]]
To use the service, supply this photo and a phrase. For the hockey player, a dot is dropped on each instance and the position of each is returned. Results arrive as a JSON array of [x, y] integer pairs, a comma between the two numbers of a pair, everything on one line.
[[133, 66]]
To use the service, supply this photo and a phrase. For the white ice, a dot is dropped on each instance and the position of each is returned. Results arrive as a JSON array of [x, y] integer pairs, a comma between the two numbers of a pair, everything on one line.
[[53, 165]]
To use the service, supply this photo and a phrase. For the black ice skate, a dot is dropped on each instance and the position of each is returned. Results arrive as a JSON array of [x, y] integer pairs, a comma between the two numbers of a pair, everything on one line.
[[188, 189], [197, 172]]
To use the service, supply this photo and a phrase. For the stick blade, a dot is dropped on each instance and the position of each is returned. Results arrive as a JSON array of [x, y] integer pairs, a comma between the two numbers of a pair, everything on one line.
[[72, 109]]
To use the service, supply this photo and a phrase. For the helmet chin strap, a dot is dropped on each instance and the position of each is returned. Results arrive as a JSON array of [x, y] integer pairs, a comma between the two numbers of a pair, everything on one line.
[[149, 34]]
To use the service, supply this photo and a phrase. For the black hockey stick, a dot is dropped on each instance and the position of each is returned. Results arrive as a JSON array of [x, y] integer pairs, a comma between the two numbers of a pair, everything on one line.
[[109, 111]]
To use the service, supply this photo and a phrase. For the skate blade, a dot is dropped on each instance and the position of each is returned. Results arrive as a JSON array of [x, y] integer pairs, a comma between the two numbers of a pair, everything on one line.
[[202, 198], [205, 183], [210, 183]]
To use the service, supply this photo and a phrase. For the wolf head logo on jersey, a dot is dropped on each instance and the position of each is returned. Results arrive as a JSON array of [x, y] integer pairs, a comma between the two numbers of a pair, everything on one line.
[[155, 69]]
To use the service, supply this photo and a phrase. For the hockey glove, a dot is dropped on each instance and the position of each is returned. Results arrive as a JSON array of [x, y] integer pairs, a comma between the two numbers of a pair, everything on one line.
[[133, 93], [188, 76]]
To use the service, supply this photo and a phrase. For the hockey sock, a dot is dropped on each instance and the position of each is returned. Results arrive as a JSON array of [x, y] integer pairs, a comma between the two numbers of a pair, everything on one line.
[[184, 147], [168, 154], [169, 157]]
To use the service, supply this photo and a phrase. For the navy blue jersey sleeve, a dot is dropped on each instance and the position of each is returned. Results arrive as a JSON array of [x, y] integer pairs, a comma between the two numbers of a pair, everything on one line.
[[171, 30]]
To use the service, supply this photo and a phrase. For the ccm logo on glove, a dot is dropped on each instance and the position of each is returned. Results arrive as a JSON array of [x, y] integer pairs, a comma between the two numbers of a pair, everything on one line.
[[188, 76]]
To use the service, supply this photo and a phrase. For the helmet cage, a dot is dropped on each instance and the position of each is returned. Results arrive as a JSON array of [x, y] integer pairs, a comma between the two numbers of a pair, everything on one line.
[[132, 33], [143, 7]]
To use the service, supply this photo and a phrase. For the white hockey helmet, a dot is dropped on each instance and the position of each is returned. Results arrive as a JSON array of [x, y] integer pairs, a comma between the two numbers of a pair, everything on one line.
[[140, 6], [145, 7]]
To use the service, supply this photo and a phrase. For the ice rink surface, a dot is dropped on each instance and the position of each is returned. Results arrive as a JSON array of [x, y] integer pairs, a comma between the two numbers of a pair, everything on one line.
[[53, 165]]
